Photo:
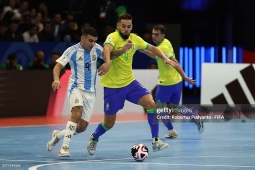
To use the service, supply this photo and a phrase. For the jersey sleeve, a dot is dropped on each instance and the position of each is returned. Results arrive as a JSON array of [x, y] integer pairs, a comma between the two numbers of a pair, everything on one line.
[[140, 43], [65, 57], [110, 39], [168, 50]]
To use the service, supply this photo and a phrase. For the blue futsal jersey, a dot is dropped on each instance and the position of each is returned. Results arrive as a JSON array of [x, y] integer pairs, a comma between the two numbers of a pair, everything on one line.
[[83, 65]]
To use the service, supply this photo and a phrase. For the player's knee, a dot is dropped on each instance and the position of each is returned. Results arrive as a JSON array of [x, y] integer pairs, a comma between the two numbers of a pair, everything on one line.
[[77, 109], [109, 124], [76, 113], [150, 105], [147, 102]]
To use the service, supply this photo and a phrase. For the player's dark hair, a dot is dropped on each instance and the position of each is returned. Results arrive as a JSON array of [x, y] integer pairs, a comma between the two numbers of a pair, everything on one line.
[[161, 28], [89, 31], [125, 16]]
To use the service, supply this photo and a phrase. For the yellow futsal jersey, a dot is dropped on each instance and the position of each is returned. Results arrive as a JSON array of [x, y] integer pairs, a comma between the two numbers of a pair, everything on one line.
[[167, 75], [120, 73]]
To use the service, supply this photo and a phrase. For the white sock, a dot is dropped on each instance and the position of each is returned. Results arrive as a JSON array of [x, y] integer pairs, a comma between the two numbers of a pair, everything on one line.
[[61, 134], [172, 131], [69, 131]]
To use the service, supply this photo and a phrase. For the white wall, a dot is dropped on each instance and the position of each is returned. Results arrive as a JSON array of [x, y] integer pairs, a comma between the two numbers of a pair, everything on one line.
[[215, 77]]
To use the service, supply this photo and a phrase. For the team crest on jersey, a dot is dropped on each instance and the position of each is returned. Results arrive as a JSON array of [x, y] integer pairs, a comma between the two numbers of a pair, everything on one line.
[[133, 47], [109, 39], [107, 105], [80, 59], [94, 57], [76, 100]]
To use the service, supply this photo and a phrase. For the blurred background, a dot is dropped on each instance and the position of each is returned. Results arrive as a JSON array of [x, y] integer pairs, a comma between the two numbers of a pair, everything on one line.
[[34, 33]]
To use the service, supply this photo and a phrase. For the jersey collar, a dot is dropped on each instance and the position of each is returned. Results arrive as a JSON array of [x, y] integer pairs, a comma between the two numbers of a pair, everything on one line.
[[120, 34]]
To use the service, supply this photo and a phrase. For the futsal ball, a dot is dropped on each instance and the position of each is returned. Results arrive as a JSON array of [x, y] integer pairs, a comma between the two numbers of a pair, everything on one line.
[[139, 152]]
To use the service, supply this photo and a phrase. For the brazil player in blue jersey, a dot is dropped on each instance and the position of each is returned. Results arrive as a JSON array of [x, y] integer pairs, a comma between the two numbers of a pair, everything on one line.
[[169, 87], [82, 58], [119, 82]]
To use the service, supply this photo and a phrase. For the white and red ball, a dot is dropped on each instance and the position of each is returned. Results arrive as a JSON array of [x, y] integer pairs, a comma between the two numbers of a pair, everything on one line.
[[139, 152]]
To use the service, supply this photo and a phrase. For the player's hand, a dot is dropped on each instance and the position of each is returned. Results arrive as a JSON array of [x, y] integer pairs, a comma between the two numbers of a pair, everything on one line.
[[127, 46], [56, 85], [170, 62], [190, 80], [103, 69]]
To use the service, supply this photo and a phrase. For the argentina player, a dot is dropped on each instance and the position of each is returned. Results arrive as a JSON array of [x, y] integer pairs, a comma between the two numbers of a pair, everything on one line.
[[82, 58]]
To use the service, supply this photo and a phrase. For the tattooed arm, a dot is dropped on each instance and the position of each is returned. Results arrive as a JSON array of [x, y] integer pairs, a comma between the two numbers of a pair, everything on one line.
[[125, 48]]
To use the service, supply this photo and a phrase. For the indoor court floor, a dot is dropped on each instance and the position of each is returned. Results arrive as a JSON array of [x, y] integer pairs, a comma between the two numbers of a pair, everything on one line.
[[222, 145]]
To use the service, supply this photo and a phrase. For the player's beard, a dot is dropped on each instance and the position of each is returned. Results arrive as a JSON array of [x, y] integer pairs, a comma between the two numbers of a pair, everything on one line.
[[124, 36]]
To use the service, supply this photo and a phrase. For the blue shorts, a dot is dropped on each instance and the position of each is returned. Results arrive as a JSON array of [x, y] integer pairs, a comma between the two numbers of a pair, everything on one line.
[[114, 98], [171, 93]]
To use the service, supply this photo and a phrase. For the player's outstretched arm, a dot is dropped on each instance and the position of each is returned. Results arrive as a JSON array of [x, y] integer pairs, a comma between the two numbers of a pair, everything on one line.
[[160, 54], [56, 84], [148, 53], [182, 73]]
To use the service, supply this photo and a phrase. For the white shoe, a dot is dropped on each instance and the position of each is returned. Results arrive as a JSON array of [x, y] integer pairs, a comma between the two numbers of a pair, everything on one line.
[[92, 144], [54, 140], [159, 145], [171, 135], [64, 152]]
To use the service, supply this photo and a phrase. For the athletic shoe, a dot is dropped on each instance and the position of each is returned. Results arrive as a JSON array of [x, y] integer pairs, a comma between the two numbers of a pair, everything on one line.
[[200, 125], [159, 145], [64, 152], [92, 144], [171, 135], [54, 140]]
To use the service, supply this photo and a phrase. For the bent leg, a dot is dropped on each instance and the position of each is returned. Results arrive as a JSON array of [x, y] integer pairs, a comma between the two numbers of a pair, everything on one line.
[[168, 94], [148, 103], [107, 124], [109, 121], [71, 125], [81, 126]]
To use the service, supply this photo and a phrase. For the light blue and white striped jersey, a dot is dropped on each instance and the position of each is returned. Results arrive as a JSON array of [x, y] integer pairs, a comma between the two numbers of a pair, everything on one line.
[[83, 65]]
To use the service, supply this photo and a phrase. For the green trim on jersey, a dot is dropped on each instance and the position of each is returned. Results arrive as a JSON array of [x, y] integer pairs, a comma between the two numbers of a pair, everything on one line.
[[167, 75], [120, 73]]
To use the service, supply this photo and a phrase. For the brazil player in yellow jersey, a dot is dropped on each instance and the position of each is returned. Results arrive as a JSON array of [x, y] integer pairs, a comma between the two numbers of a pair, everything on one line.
[[120, 84], [169, 87]]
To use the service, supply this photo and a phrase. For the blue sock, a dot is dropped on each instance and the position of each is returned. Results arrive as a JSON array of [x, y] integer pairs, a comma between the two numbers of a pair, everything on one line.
[[168, 124], [153, 122], [100, 130]]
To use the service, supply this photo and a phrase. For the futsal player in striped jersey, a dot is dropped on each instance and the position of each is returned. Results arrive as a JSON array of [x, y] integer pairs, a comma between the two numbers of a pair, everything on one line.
[[119, 82], [82, 58]]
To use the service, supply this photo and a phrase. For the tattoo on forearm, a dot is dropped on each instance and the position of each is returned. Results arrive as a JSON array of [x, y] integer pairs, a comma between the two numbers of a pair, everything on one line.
[[117, 53]]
